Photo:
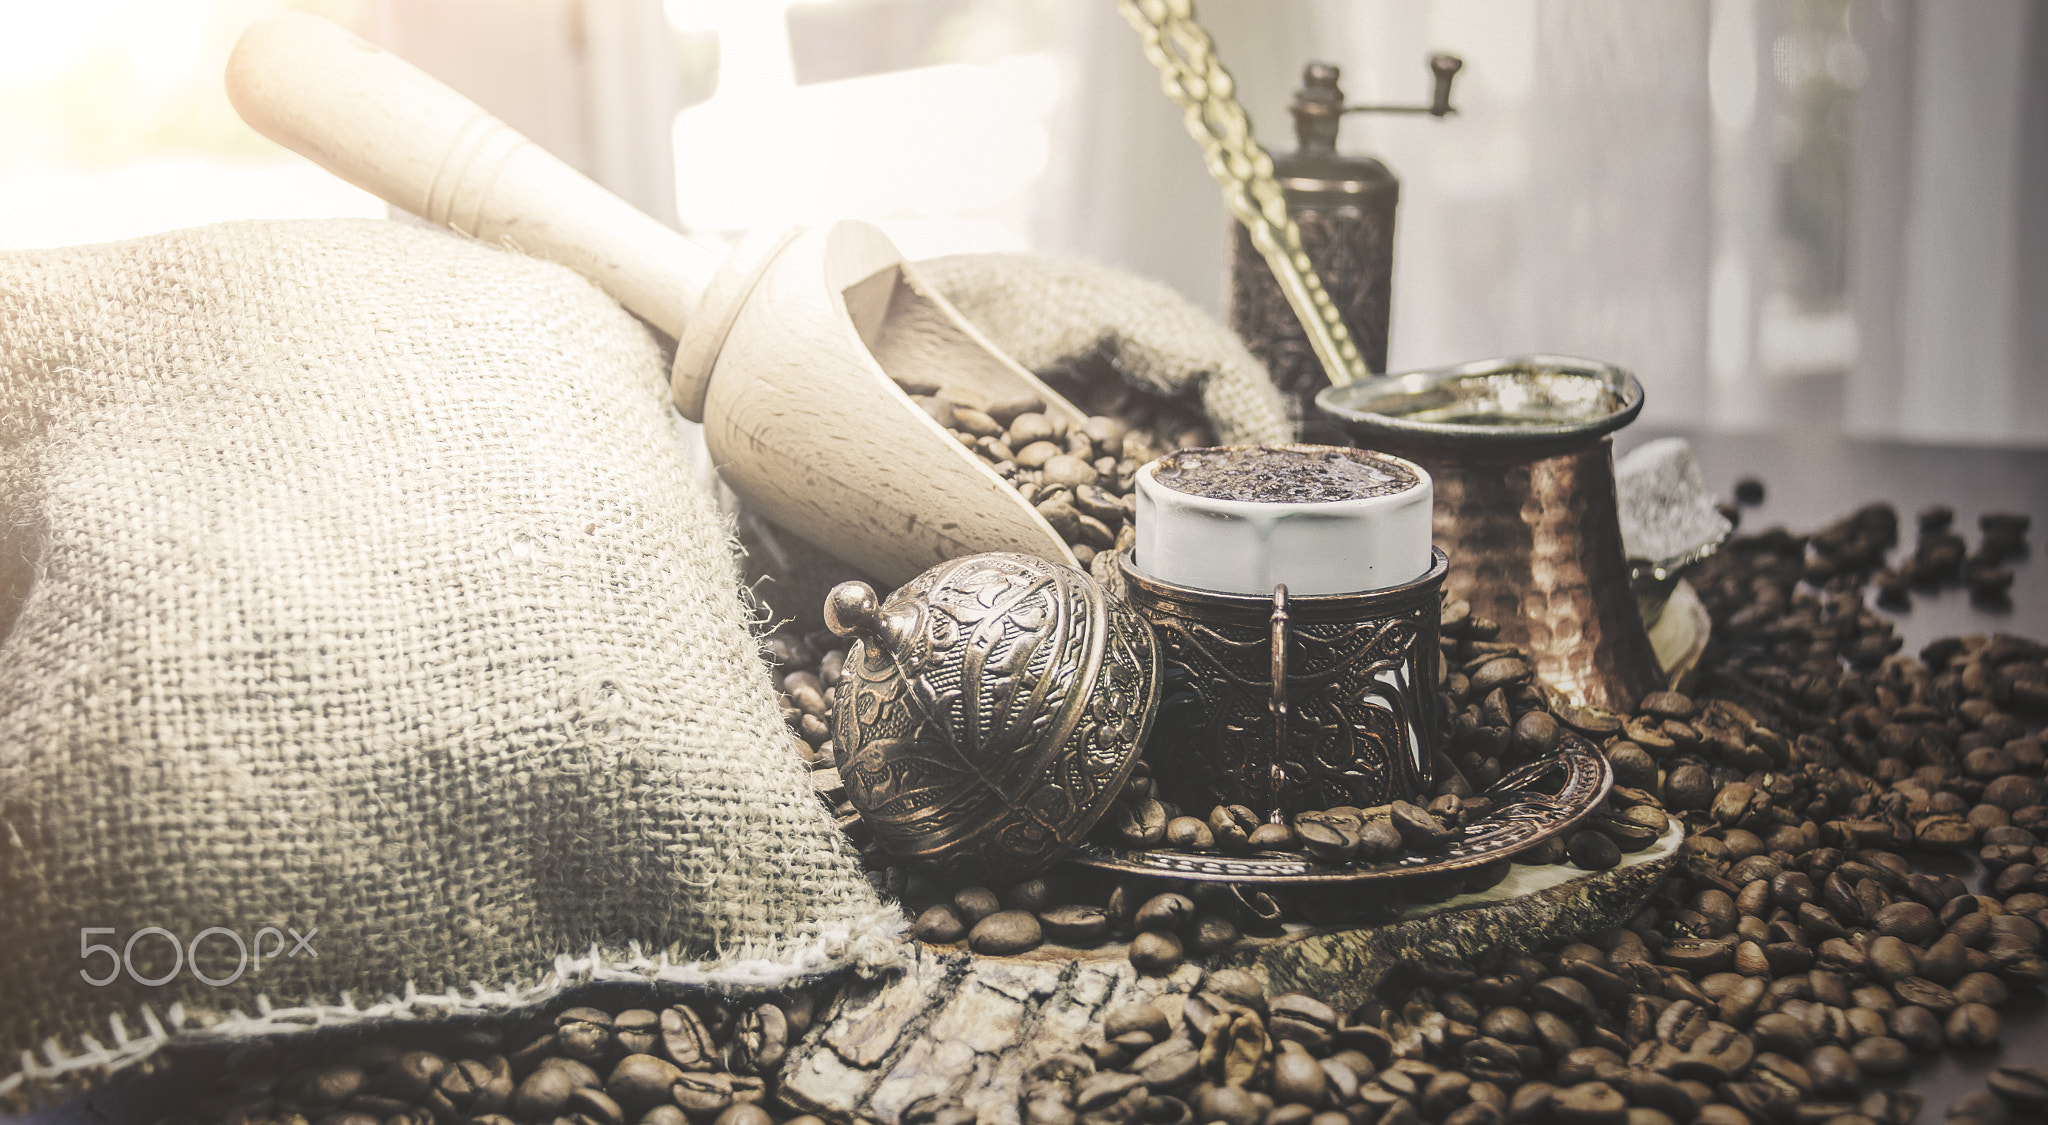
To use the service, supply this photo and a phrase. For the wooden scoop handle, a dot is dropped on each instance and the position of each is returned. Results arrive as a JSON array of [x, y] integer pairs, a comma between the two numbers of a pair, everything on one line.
[[385, 126]]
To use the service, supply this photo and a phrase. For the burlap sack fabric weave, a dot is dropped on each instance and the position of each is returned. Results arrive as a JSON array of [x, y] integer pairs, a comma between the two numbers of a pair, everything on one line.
[[1044, 312], [351, 582]]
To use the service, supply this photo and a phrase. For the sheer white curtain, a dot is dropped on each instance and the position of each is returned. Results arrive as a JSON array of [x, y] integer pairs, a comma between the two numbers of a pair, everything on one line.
[[594, 81], [1641, 183], [1951, 234]]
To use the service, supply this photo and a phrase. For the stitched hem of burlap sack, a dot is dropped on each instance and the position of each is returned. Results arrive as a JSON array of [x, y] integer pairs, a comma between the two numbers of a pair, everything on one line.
[[869, 947]]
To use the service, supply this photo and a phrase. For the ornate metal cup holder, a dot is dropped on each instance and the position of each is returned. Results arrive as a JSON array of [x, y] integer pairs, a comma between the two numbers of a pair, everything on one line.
[[1530, 805]]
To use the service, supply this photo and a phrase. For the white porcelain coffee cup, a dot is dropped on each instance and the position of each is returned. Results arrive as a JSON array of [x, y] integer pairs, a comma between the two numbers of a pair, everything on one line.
[[1341, 546]]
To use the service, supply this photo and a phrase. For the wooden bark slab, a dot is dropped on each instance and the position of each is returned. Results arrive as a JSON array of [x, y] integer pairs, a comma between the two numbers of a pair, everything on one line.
[[960, 1024]]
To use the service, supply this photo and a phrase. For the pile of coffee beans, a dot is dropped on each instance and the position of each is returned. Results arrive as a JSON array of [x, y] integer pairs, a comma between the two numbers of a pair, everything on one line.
[[703, 1059], [1864, 885], [1804, 944], [1532, 1040], [1941, 557]]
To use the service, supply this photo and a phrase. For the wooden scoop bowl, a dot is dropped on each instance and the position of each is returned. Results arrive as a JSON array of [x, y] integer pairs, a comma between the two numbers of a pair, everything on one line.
[[789, 351]]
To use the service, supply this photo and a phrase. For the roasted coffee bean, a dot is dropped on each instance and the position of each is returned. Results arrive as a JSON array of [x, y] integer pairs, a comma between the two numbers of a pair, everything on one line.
[[1211, 934], [1588, 1064], [413, 1074], [746, 1113], [1881, 1055], [687, 1042], [1834, 1070], [1633, 766], [1917, 1028], [1079, 926], [1165, 912], [1973, 1026], [640, 1081], [703, 1095], [1271, 837], [1980, 988], [759, 1040], [1907, 921], [1589, 1103], [1297, 1017], [1232, 826], [345, 1117], [636, 1031], [595, 1105], [1688, 787], [1156, 951], [1893, 959], [580, 1075], [1594, 851], [1379, 840], [1500, 672], [334, 1085], [973, 904], [1138, 1016], [1536, 734], [1420, 830], [1034, 894], [1005, 932], [1189, 834], [1326, 842], [1232, 1105], [1137, 825], [542, 1095], [1509, 1024], [1297, 1077], [2025, 1088], [1945, 961], [1566, 997], [1172, 1064], [939, 925]]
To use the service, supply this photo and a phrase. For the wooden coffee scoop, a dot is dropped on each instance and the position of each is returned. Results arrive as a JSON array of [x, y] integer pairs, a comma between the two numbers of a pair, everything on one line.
[[790, 352]]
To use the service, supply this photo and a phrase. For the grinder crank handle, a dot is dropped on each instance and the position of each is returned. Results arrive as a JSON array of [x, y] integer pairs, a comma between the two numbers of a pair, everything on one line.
[[387, 127]]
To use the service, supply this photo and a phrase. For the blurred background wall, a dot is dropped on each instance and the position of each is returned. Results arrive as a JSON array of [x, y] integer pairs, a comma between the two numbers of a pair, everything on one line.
[[1828, 215]]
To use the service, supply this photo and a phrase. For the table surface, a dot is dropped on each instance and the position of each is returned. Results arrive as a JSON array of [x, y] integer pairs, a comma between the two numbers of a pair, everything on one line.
[[1809, 481]]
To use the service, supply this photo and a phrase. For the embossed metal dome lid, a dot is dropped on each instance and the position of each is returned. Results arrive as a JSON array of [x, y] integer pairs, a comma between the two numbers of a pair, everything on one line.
[[992, 709]]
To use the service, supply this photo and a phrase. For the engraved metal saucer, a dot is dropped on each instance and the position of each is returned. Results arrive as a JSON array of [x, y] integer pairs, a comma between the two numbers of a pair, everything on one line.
[[1530, 805]]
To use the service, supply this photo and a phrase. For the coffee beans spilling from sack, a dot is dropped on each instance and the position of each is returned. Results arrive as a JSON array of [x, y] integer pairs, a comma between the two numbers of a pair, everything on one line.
[[700, 1057], [1079, 477]]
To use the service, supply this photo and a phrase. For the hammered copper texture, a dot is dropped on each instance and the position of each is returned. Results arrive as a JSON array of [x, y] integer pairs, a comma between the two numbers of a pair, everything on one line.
[[1360, 692], [1535, 544], [988, 727]]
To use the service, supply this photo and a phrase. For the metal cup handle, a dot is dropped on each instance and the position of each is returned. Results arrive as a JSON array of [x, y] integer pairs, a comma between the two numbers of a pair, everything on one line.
[[1273, 771]]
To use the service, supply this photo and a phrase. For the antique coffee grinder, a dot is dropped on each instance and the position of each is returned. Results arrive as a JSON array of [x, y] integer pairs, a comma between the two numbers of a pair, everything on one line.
[[1344, 206]]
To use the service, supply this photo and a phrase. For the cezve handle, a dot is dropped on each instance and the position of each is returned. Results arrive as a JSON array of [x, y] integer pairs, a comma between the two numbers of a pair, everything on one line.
[[385, 126]]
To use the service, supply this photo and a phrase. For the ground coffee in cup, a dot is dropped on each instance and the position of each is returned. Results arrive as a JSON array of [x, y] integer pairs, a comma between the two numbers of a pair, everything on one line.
[[1317, 519]]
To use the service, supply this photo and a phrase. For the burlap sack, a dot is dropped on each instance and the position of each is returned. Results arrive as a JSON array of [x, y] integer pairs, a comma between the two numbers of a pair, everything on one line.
[[1048, 312], [352, 586]]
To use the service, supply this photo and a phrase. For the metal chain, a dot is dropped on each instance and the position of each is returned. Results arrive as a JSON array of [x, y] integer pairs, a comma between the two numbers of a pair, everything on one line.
[[1193, 76]]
